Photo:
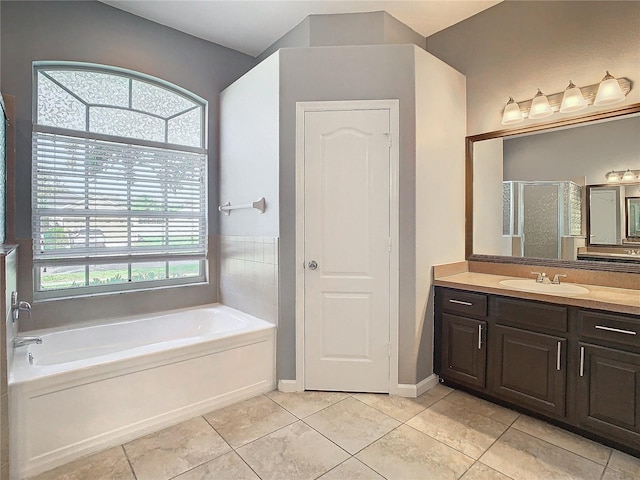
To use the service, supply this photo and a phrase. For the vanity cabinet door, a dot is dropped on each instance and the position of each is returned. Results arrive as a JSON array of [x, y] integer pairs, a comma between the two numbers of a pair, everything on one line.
[[464, 351], [529, 369], [608, 393]]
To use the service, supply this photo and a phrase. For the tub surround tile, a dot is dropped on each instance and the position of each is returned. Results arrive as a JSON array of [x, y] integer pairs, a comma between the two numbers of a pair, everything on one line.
[[352, 469], [480, 471], [525, 457], [400, 408], [351, 424], [406, 453], [295, 452], [482, 407], [246, 421], [564, 439], [622, 462], [174, 450], [227, 467], [303, 404], [110, 464], [457, 426]]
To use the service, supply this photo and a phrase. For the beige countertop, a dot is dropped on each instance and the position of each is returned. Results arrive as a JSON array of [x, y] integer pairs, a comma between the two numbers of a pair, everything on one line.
[[621, 300]]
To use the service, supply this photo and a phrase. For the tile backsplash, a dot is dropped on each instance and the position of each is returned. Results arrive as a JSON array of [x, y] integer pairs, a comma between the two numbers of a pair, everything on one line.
[[248, 275]]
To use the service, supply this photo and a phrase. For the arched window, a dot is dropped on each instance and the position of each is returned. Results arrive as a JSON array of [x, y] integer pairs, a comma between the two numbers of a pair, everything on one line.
[[119, 181]]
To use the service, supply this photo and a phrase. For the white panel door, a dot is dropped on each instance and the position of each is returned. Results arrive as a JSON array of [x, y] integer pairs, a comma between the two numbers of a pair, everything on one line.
[[604, 221], [346, 234]]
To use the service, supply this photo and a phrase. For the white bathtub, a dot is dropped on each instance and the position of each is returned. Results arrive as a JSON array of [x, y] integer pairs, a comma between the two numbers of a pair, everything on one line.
[[91, 387]]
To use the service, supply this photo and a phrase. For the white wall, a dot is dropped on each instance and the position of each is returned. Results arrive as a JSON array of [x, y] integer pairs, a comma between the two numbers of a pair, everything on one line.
[[250, 150], [487, 197], [439, 190]]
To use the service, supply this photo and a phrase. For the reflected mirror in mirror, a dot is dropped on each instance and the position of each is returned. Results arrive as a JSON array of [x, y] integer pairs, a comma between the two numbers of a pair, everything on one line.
[[541, 195], [632, 211]]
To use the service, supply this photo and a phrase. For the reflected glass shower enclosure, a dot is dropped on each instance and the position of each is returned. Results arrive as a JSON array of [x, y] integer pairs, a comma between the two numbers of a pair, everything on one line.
[[540, 213]]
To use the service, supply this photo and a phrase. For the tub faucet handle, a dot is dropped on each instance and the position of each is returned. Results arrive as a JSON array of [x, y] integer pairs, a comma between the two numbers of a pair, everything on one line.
[[18, 306]]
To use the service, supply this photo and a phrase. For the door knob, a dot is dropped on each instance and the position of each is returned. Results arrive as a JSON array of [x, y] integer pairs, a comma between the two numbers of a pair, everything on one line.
[[313, 265]]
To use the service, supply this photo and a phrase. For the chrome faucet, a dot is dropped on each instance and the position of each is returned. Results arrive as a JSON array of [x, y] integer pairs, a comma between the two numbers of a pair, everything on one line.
[[17, 307], [22, 341], [542, 277], [556, 278]]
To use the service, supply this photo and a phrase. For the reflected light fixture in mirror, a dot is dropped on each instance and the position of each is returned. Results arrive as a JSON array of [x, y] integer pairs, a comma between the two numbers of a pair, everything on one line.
[[616, 176], [609, 91], [540, 107], [572, 100]]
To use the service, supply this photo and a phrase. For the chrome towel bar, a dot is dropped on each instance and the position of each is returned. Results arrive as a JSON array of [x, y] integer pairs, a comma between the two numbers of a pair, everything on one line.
[[259, 204]]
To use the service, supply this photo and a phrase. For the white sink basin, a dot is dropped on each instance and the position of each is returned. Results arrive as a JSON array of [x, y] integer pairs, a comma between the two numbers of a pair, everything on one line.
[[530, 285]]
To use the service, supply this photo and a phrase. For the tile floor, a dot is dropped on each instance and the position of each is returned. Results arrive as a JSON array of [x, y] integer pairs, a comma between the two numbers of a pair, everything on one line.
[[444, 434]]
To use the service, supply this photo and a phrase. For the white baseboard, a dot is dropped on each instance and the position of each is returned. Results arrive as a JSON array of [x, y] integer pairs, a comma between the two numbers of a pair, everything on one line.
[[288, 386], [412, 391]]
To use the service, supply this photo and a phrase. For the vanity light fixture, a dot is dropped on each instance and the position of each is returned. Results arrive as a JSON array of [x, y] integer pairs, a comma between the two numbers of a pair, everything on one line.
[[610, 90], [616, 176], [512, 113], [572, 99], [540, 107]]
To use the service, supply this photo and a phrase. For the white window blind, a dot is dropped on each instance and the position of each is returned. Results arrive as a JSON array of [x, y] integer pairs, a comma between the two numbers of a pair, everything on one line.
[[94, 198]]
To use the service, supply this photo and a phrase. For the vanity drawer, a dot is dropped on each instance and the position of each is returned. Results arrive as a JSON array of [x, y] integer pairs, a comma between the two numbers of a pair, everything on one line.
[[612, 328], [531, 315], [456, 301]]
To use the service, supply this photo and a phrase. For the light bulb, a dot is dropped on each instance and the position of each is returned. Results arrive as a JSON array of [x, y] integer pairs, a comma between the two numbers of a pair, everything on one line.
[[628, 176], [609, 91], [540, 107], [572, 100], [612, 176], [512, 113]]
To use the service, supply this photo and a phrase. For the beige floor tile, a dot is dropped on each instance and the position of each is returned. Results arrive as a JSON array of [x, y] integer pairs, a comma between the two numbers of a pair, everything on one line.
[[624, 463], [562, 438], [611, 474], [228, 467], [524, 457], [400, 408], [439, 391], [463, 429], [352, 469], [406, 454], [303, 404], [478, 405], [246, 421], [351, 424], [295, 452], [175, 450], [111, 464], [479, 471]]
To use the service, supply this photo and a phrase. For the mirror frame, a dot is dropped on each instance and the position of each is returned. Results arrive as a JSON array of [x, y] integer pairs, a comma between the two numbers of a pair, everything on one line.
[[582, 264]]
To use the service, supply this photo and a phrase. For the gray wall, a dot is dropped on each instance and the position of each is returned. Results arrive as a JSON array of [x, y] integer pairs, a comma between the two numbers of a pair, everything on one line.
[[370, 28], [94, 32], [589, 151], [516, 47], [366, 73]]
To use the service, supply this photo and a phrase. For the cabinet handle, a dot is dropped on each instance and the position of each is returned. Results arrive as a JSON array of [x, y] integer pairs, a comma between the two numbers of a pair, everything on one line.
[[558, 356], [460, 302], [479, 337], [582, 361], [617, 330]]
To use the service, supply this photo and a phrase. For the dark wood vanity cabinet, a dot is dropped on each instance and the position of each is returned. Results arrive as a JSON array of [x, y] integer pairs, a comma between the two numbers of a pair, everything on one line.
[[577, 366]]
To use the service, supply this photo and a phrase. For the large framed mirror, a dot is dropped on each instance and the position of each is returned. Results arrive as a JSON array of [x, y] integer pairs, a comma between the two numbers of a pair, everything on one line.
[[531, 191]]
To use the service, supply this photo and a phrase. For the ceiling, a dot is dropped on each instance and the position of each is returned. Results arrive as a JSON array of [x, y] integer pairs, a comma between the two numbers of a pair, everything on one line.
[[250, 26]]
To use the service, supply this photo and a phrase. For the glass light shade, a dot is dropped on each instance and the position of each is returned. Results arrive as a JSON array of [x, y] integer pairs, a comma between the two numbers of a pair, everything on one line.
[[628, 176], [613, 176], [512, 113], [609, 91], [572, 100], [540, 107]]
